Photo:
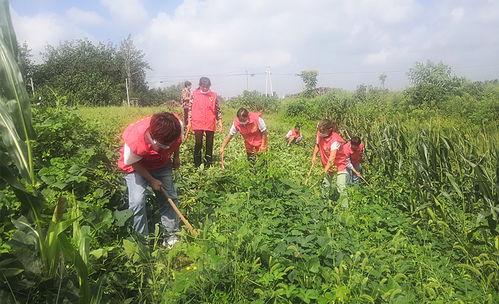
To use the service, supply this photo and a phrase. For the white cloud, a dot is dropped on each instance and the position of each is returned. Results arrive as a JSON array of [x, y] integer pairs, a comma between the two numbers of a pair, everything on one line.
[[341, 38], [43, 29], [84, 17], [126, 11]]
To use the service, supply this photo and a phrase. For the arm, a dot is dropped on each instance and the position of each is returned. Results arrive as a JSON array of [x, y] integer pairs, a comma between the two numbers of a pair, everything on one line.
[[218, 114], [314, 155], [154, 183], [225, 143], [332, 156]]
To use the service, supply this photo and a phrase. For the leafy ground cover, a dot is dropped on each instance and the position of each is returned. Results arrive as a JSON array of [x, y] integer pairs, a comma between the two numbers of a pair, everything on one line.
[[422, 231]]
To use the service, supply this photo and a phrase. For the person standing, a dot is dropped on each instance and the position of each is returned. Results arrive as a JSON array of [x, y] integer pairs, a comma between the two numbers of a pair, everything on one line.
[[333, 158], [254, 132], [145, 159], [186, 101], [204, 114], [354, 151]]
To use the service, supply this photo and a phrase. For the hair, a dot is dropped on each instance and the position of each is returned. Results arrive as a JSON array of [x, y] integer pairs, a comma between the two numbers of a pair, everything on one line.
[[355, 141], [242, 112], [297, 126], [165, 127], [187, 83], [327, 124], [205, 81]]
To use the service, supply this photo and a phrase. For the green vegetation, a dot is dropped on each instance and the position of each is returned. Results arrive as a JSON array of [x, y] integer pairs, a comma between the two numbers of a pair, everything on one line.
[[425, 229]]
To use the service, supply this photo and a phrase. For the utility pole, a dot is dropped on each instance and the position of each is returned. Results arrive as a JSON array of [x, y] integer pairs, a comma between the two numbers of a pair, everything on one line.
[[32, 85], [127, 95], [268, 82]]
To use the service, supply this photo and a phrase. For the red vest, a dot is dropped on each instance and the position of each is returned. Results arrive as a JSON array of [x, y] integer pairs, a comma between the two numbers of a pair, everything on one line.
[[355, 156], [203, 111], [294, 133], [252, 135], [135, 138], [325, 143]]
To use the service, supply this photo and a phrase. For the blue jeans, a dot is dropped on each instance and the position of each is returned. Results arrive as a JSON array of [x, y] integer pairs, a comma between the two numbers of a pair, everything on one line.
[[352, 177], [137, 191]]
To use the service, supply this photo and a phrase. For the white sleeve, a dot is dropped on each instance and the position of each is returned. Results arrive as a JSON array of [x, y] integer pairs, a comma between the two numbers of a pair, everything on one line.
[[335, 146], [233, 130], [261, 125], [289, 133], [129, 157]]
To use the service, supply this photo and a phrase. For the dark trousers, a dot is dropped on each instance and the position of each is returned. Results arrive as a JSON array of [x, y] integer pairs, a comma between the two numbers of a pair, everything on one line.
[[186, 117], [208, 152]]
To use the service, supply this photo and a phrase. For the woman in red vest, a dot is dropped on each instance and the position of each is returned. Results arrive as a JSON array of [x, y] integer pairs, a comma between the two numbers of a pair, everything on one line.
[[145, 158], [204, 114], [333, 158], [354, 151], [252, 128]]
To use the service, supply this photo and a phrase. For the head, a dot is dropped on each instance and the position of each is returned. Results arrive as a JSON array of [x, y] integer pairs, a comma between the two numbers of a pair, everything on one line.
[[326, 127], [355, 142], [297, 128], [164, 129], [187, 84], [204, 84], [242, 116]]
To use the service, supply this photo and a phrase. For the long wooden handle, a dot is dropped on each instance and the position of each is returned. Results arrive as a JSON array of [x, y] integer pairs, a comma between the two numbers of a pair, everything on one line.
[[182, 217]]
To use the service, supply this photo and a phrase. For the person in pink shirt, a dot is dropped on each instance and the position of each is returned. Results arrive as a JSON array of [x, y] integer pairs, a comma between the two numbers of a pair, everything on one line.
[[354, 151], [204, 114], [332, 155], [254, 131], [149, 153]]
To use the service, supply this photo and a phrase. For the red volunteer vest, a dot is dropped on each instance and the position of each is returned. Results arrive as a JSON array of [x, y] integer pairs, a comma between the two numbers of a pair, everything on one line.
[[203, 111], [252, 135], [355, 156], [134, 137], [325, 143], [294, 133]]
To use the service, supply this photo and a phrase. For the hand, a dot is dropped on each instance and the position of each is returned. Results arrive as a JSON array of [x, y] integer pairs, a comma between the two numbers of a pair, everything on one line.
[[176, 163], [155, 184], [314, 160], [222, 151], [220, 126]]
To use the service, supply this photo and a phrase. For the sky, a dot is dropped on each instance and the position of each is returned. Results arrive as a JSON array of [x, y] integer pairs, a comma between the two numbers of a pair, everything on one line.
[[256, 44]]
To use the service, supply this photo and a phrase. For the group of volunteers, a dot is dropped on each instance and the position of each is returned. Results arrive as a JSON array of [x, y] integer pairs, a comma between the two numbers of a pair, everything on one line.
[[151, 151]]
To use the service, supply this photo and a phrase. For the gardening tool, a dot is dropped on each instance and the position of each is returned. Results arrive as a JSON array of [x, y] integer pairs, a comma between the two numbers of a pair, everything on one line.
[[222, 160], [363, 179], [184, 220], [308, 174]]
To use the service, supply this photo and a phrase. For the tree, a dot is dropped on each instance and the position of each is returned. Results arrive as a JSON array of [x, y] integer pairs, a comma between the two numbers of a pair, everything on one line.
[[26, 65], [80, 72], [133, 66], [309, 77], [382, 79], [432, 83]]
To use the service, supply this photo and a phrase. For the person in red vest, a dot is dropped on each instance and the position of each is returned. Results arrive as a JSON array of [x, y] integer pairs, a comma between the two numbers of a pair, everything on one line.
[[333, 158], [354, 151], [254, 131], [204, 113], [146, 160], [186, 101], [294, 135]]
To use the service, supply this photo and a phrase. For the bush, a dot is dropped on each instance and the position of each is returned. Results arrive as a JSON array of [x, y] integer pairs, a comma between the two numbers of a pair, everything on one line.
[[255, 102]]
